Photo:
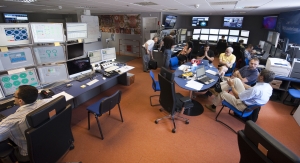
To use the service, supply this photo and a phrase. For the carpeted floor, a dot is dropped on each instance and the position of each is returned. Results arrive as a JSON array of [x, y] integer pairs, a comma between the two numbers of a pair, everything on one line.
[[139, 140], [124, 58]]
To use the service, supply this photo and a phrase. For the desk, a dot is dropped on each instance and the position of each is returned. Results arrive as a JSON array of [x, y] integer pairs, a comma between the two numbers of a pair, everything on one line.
[[198, 108], [285, 85]]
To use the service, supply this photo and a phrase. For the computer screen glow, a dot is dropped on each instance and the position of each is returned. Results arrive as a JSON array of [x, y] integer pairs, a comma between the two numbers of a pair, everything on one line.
[[76, 31], [14, 34], [47, 32]]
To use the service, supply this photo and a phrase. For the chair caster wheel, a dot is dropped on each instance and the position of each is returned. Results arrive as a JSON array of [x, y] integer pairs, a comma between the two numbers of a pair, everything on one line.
[[161, 110], [173, 130], [187, 122], [156, 121]]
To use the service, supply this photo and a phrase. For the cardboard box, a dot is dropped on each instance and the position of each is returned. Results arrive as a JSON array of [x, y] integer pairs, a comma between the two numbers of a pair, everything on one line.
[[130, 78], [276, 84]]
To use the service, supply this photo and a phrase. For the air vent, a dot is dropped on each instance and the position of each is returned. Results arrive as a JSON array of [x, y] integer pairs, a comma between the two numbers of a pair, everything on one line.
[[145, 3], [223, 3], [250, 7]]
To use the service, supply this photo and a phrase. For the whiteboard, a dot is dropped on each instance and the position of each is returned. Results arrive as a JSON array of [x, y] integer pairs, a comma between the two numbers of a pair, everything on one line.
[[92, 26]]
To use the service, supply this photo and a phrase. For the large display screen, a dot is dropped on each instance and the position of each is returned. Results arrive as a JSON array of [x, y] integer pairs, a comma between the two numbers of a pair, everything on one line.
[[196, 37], [233, 22], [213, 31], [76, 31], [234, 32], [14, 34], [200, 21], [15, 18], [49, 54], [213, 38], [170, 21], [232, 39], [245, 33], [47, 32], [196, 31], [205, 31], [245, 39], [269, 22], [223, 31], [75, 50], [204, 37], [51, 74]]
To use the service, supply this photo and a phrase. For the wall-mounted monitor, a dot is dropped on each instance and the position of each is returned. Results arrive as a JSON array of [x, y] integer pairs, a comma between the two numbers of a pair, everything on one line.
[[10, 83], [14, 34], [269, 22], [53, 73], [16, 58], [108, 54], [204, 31], [245, 33], [49, 54], [213, 31], [76, 31], [75, 51], [234, 32], [196, 37], [232, 39], [220, 37], [245, 39], [200, 21], [213, 37], [183, 31], [204, 37], [15, 18], [79, 67], [196, 31], [95, 56], [170, 21], [233, 22], [47, 32], [224, 32]]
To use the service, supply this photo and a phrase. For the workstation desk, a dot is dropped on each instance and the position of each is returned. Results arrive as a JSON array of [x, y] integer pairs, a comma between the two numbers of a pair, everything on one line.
[[281, 92]]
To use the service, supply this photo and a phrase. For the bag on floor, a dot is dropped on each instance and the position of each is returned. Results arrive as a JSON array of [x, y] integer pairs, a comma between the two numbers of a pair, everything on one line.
[[152, 65]]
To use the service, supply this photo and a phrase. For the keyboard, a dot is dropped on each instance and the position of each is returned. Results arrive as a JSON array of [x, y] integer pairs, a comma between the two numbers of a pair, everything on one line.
[[205, 80], [110, 74], [92, 82], [111, 68]]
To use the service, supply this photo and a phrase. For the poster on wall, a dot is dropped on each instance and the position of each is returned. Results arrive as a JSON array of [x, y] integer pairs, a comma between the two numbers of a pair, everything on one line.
[[288, 25], [126, 24]]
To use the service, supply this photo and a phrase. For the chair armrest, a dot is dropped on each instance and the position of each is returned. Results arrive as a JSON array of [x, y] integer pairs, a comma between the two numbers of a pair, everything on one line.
[[185, 99]]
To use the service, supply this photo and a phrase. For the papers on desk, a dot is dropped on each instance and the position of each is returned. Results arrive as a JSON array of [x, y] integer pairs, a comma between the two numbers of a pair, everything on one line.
[[195, 85], [68, 96], [211, 72], [124, 69]]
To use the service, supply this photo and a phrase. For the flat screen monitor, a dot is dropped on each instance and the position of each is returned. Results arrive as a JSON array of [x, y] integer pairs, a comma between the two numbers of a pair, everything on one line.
[[245, 33], [233, 22], [220, 37], [234, 32], [108, 54], [167, 74], [272, 51], [53, 73], [213, 38], [170, 21], [14, 34], [204, 37], [200, 21], [261, 44], [270, 36], [47, 32], [182, 37], [267, 47], [196, 37], [269, 22], [75, 51], [196, 31], [79, 67], [213, 31], [16, 58], [204, 31], [183, 31], [232, 39], [224, 32], [275, 38], [95, 56], [76, 31], [49, 54], [10, 83], [15, 18], [278, 53], [245, 39]]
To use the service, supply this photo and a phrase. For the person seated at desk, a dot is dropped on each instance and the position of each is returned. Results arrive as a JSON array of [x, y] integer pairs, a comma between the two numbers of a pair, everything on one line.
[[206, 54], [226, 61], [14, 125], [243, 94], [183, 54], [248, 52], [248, 73]]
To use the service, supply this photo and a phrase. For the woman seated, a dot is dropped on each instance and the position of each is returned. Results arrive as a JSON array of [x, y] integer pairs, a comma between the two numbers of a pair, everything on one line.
[[226, 61], [183, 54]]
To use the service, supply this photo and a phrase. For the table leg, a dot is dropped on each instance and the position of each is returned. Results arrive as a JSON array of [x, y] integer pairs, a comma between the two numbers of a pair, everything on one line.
[[196, 110]]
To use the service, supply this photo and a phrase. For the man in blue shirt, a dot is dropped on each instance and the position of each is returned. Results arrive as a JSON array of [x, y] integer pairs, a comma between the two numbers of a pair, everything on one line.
[[248, 74], [243, 94]]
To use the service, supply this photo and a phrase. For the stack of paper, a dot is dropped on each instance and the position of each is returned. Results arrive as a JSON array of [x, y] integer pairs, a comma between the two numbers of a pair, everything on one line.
[[195, 85], [211, 72], [68, 96]]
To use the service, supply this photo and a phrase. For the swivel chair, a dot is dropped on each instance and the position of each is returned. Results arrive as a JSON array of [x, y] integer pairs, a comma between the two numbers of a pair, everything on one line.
[[295, 95], [155, 87], [229, 73], [174, 63]]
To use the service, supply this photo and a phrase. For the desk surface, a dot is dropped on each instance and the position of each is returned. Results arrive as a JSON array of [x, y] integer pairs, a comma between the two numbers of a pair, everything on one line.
[[287, 79]]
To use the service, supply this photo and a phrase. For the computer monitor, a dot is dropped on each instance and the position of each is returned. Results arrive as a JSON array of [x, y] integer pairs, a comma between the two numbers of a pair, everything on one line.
[[245, 33], [95, 56], [196, 37], [278, 53], [213, 31], [272, 51], [270, 36], [234, 32], [53, 73], [220, 37], [204, 37], [12, 34], [196, 31], [275, 38], [182, 38], [267, 47], [200, 21], [245, 39], [183, 31], [16, 58], [2, 95], [167, 74], [79, 67], [11, 82], [15, 18], [233, 22], [232, 39], [261, 44], [213, 37], [75, 51], [49, 54], [108, 54], [204, 31], [47, 32], [223, 31], [76, 31]]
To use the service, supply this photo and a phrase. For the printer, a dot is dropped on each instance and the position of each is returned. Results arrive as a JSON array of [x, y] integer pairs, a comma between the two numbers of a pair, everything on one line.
[[280, 67], [295, 72]]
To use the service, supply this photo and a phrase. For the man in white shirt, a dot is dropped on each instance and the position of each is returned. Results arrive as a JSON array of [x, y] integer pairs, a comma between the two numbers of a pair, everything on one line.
[[14, 126], [243, 94], [147, 52]]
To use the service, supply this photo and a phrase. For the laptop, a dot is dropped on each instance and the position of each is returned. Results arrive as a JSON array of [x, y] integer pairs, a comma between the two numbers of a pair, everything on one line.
[[201, 76]]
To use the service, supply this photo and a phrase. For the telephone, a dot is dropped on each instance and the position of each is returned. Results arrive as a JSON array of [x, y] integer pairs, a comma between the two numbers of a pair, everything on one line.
[[47, 94]]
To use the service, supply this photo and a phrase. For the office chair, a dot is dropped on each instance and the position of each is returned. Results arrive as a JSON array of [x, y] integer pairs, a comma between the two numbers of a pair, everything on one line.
[[229, 73], [256, 145], [172, 102], [49, 136], [102, 106], [295, 95], [174, 63], [155, 87], [242, 114]]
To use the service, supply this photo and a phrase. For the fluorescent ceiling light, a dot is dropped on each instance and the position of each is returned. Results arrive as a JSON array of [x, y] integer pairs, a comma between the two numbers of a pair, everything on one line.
[[24, 1]]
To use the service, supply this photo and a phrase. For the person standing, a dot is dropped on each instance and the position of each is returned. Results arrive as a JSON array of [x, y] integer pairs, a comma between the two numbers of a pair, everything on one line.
[[148, 52], [168, 43]]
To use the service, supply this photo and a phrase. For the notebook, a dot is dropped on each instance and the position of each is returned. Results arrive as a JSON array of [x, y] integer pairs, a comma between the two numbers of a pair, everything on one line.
[[201, 76]]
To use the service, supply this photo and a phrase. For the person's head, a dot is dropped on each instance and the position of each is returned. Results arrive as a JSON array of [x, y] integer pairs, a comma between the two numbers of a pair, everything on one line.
[[172, 33], [206, 47], [250, 47], [266, 76], [223, 37], [25, 94], [254, 62], [228, 51], [155, 39], [241, 42]]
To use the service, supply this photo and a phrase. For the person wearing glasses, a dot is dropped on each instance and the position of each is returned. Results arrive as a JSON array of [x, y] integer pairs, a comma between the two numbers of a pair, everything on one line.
[[226, 61], [13, 126]]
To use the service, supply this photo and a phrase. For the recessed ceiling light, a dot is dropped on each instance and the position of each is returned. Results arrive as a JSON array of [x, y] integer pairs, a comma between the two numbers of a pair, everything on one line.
[[24, 1]]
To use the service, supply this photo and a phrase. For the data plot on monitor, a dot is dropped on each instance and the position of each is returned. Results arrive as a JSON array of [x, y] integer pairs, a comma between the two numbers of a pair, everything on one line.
[[47, 32], [49, 54]]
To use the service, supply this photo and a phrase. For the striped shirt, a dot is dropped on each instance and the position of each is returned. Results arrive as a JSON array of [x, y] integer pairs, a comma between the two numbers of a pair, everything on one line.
[[14, 125]]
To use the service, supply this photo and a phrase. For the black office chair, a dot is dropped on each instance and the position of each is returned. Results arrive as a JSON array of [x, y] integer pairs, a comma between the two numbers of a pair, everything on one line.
[[256, 145], [49, 136], [171, 102], [104, 105]]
